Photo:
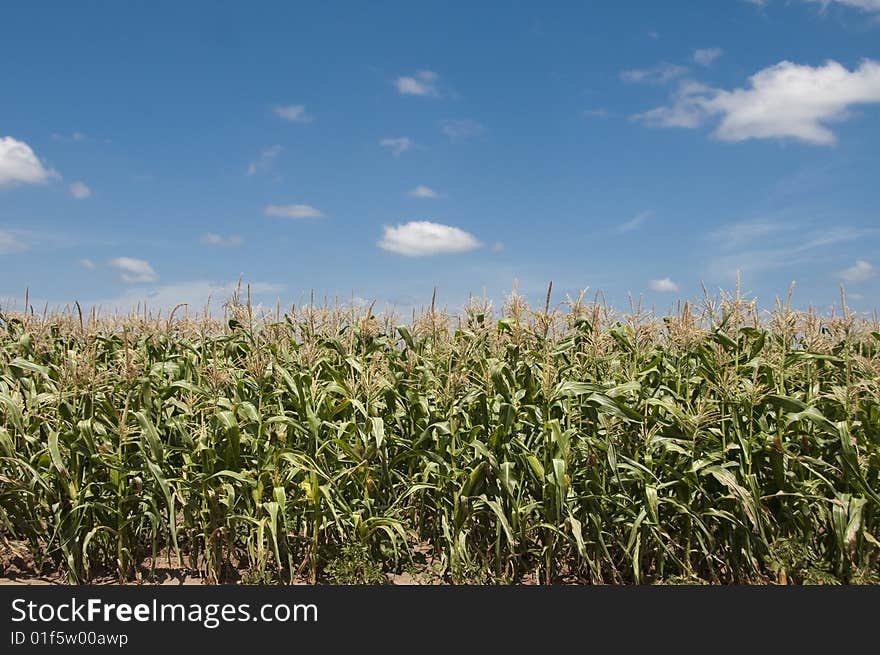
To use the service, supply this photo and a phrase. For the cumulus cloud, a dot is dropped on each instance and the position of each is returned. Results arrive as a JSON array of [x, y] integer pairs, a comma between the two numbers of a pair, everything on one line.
[[264, 162], [20, 165], [784, 101], [423, 191], [134, 270], [211, 239], [659, 74], [397, 145], [10, 243], [87, 264], [80, 191], [461, 128], [293, 211], [663, 285], [421, 238], [420, 84], [293, 113], [705, 56], [861, 271]]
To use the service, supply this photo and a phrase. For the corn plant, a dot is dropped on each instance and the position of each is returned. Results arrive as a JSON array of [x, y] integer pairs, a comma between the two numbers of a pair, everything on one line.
[[718, 443]]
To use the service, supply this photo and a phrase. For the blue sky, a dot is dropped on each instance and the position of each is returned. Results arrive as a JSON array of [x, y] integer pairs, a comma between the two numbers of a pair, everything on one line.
[[160, 150]]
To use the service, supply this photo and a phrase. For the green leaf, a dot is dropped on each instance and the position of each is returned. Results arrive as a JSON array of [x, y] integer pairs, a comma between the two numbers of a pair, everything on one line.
[[148, 430], [25, 365], [55, 453]]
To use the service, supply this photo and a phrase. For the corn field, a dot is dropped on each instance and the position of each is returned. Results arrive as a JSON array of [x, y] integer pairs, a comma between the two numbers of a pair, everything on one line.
[[569, 443]]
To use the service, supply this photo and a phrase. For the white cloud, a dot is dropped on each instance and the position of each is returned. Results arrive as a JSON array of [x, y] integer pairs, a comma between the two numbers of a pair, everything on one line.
[[705, 56], [87, 264], [76, 136], [194, 294], [785, 253], [864, 5], [423, 191], [785, 101], [861, 271], [10, 243], [134, 270], [659, 74], [18, 240], [663, 285], [398, 145], [293, 113], [266, 159], [420, 84], [686, 109], [20, 165], [421, 238], [80, 191], [293, 211], [461, 129], [788, 100], [635, 221], [211, 239], [737, 234], [830, 236]]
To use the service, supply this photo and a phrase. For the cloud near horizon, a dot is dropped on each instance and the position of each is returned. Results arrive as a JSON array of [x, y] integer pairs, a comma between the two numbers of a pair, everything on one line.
[[193, 294], [778, 246], [134, 270], [664, 285], [10, 243], [861, 271]]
